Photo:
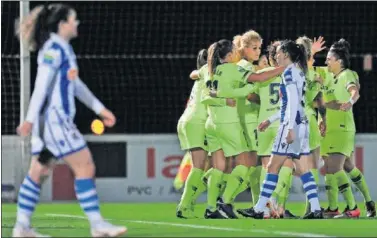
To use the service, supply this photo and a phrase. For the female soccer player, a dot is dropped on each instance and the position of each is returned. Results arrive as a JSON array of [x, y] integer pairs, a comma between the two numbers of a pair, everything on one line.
[[224, 132], [49, 29], [342, 92], [292, 138], [191, 133]]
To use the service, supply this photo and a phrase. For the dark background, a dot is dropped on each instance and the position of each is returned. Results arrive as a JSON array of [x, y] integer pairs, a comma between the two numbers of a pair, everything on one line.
[[136, 56]]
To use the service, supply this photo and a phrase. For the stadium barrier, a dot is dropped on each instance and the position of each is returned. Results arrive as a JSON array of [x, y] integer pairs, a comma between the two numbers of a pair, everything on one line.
[[150, 163]]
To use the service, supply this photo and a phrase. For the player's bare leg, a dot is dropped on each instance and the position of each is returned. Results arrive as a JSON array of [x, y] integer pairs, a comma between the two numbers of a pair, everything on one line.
[[83, 168], [28, 198], [358, 179]]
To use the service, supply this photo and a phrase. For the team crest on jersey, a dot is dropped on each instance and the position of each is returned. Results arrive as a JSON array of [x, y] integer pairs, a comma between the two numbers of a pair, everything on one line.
[[72, 73]]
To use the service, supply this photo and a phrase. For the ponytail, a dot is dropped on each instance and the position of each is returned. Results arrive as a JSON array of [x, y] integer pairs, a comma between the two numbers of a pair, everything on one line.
[[202, 58], [35, 29], [302, 59], [213, 58]]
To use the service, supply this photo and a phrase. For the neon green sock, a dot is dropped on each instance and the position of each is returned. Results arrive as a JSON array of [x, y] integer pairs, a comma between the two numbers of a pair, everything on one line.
[[214, 183], [284, 176], [245, 184], [254, 184], [206, 175], [223, 184], [235, 180], [332, 190], [358, 179], [284, 194], [193, 179], [345, 188], [202, 187]]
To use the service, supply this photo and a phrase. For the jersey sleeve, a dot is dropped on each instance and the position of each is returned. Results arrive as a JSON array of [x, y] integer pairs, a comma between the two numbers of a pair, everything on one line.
[[83, 93], [288, 77], [350, 80], [50, 57], [228, 91], [211, 101]]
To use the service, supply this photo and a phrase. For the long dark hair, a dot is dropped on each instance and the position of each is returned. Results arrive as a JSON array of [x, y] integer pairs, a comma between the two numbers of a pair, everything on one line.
[[216, 52], [201, 58], [341, 51], [41, 21], [296, 53], [272, 49]]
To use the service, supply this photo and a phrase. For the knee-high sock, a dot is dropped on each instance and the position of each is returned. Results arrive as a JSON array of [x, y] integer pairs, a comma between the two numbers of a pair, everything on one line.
[[316, 179], [268, 188], [214, 183], [358, 179], [254, 183], [224, 183], [192, 183], [332, 191], [235, 180], [311, 191], [245, 184], [28, 197], [345, 188]]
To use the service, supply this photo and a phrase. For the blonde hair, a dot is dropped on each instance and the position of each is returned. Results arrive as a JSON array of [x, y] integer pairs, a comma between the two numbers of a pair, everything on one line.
[[307, 43], [243, 41], [25, 30]]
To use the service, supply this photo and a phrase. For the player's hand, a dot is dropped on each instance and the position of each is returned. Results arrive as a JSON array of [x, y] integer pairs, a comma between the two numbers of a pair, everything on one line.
[[24, 129], [264, 125], [319, 79], [322, 128], [213, 93], [345, 106], [290, 136], [230, 102], [108, 118], [318, 45]]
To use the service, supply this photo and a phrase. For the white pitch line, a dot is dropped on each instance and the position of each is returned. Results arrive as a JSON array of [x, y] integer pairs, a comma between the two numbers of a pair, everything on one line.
[[283, 233]]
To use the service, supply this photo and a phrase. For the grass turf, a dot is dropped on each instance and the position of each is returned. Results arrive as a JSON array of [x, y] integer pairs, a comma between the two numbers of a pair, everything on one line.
[[158, 219]]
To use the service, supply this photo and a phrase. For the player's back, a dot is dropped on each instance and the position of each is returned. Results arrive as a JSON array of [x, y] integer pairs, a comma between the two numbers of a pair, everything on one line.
[[312, 89], [225, 78], [293, 75], [269, 94], [58, 54]]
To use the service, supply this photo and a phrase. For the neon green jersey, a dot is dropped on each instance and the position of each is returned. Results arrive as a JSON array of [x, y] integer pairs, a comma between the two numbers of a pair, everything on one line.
[[312, 89], [226, 80], [196, 111], [338, 91], [269, 97], [247, 110]]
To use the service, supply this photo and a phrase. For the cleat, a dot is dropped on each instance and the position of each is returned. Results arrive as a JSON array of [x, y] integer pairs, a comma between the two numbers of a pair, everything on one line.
[[228, 210], [185, 213], [355, 213], [208, 214], [288, 215], [105, 229], [19, 231], [244, 212], [314, 215], [371, 209], [250, 213], [328, 213]]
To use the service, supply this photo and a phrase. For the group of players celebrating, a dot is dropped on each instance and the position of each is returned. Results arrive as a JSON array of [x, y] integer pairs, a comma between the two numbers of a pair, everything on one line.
[[272, 116]]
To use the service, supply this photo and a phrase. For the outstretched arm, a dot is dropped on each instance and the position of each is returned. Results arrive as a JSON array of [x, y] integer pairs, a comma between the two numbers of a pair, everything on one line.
[[83, 93]]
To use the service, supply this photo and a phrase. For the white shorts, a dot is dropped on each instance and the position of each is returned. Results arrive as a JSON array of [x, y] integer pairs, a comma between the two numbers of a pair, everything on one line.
[[56, 132], [300, 144]]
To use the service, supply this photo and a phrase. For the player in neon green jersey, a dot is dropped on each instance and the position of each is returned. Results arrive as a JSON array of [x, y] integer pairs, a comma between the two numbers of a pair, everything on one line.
[[223, 129], [354, 173], [191, 133], [341, 94], [249, 47]]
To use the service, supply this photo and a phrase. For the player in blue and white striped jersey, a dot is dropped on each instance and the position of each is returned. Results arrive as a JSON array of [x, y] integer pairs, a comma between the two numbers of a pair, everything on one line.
[[292, 140], [50, 117]]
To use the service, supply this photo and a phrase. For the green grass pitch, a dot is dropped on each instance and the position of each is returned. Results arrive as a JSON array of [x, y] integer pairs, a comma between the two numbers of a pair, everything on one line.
[[158, 219]]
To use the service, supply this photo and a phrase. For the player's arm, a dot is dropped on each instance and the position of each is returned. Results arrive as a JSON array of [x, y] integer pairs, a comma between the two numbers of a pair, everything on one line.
[[274, 117], [264, 76], [48, 63], [84, 95], [320, 104], [211, 101], [227, 91], [355, 95], [195, 75], [293, 101]]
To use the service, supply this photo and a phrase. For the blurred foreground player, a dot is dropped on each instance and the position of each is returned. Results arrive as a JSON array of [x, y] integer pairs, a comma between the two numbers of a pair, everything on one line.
[[49, 29]]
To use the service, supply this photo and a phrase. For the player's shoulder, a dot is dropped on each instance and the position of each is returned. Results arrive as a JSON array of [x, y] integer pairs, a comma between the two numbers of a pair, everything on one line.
[[349, 75], [50, 54], [245, 65]]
